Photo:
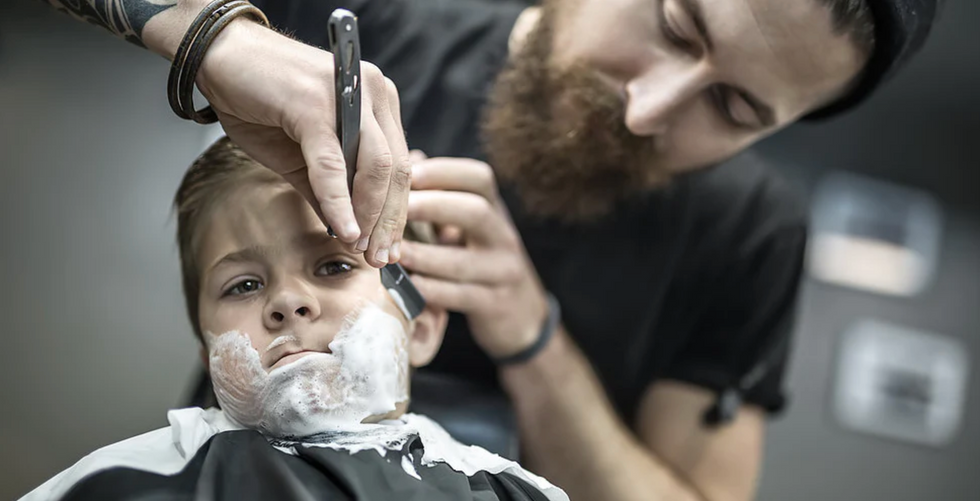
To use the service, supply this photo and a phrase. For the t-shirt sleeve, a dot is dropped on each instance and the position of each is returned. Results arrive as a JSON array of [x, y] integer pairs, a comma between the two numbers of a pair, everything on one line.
[[736, 309], [306, 20], [742, 338]]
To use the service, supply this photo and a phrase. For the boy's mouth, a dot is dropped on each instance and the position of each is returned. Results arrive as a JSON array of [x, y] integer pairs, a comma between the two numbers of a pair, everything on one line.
[[290, 357], [285, 350]]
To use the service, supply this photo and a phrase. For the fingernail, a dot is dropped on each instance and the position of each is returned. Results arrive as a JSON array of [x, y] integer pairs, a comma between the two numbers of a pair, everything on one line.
[[351, 230], [396, 251], [362, 244], [382, 255]]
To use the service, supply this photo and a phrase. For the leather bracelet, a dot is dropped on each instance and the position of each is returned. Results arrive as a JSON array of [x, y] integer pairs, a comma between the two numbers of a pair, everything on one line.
[[190, 53], [180, 57], [547, 332], [222, 18], [195, 53]]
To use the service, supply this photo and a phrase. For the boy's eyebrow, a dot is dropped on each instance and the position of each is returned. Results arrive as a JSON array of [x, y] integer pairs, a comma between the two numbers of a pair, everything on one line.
[[246, 255], [254, 253]]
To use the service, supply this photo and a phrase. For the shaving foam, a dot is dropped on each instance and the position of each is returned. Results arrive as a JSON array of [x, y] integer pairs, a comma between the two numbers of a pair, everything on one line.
[[438, 448], [409, 467], [365, 374], [281, 340], [400, 302]]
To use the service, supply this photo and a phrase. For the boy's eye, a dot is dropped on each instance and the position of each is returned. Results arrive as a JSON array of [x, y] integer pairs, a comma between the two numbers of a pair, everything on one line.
[[244, 287], [333, 268]]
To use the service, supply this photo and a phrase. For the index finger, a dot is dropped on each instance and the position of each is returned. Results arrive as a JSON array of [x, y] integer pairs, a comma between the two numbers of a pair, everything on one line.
[[328, 179], [475, 215], [455, 174]]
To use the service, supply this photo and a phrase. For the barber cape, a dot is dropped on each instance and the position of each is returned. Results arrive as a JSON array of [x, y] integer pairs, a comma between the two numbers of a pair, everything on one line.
[[203, 454]]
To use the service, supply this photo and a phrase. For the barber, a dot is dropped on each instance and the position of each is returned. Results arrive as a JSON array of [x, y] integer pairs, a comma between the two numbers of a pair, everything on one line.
[[607, 126], [604, 124]]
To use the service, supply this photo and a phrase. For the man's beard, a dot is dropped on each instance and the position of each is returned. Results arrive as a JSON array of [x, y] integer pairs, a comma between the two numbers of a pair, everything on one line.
[[559, 136]]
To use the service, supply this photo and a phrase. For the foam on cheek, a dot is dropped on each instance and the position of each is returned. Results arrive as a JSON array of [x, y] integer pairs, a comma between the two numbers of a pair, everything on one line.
[[366, 374]]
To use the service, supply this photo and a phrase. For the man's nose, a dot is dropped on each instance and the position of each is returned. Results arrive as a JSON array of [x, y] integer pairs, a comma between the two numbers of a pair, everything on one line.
[[657, 96], [290, 304]]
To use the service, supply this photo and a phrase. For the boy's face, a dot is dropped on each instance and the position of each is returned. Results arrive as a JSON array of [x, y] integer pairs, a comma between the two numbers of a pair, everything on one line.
[[295, 324]]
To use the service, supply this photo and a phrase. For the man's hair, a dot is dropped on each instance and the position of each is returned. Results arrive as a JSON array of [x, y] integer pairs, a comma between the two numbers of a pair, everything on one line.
[[853, 18], [212, 179]]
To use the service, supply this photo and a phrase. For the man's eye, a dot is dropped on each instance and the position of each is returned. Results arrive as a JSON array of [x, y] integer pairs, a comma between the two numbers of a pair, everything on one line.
[[672, 34], [723, 105], [733, 109], [333, 268], [244, 287]]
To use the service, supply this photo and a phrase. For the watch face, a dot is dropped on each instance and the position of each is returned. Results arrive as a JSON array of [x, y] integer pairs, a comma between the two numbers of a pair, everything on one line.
[[900, 383]]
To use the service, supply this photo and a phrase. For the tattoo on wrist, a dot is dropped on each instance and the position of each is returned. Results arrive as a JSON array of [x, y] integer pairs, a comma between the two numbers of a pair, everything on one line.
[[124, 18]]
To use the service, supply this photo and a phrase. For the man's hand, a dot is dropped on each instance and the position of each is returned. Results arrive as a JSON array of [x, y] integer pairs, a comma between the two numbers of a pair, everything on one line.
[[486, 274], [275, 99]]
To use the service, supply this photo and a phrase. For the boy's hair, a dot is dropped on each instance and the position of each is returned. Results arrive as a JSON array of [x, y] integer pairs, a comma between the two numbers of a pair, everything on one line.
[[212, 179]]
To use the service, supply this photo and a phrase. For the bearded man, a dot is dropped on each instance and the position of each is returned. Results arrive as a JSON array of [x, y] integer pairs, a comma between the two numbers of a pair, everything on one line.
[[607, 125]]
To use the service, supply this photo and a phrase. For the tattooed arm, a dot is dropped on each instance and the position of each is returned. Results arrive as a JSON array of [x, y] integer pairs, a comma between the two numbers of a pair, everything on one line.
[[124, 18], [157, 25], [274, 97]]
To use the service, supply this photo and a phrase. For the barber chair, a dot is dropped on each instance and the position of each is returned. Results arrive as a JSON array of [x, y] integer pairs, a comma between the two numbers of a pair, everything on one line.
[[473, 414]]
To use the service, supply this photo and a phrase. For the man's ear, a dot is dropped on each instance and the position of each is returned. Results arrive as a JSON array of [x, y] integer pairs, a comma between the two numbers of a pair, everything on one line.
[[426, 336]]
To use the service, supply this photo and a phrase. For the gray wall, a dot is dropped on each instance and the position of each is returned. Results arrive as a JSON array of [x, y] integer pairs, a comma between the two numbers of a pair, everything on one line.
[[97, 346]]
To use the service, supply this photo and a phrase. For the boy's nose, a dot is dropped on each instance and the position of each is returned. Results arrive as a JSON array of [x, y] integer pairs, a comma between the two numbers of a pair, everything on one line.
[[288, 306]]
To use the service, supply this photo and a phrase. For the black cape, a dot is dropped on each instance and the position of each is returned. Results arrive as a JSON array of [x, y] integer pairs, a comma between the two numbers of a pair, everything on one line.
[[242, 465]]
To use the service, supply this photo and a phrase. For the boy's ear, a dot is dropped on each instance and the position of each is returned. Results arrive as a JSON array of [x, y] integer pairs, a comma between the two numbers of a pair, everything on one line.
[[426, 337], [204, 358]]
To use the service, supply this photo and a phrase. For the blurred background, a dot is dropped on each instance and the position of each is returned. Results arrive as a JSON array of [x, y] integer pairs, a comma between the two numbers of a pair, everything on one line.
[[96, 347]]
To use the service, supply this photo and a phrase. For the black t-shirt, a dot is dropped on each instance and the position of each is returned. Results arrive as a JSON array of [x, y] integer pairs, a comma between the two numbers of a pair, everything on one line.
[[695, 283]]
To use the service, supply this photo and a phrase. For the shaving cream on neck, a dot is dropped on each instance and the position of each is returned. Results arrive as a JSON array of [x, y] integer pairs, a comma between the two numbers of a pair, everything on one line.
[[365, 375]]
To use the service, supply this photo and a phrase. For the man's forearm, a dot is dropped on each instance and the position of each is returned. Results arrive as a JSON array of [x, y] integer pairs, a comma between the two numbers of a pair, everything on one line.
[[572, 436], [154, 24]]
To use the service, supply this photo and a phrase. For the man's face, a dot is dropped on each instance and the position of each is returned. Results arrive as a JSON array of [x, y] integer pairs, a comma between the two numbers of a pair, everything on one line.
[[608, 98], [301, 333]]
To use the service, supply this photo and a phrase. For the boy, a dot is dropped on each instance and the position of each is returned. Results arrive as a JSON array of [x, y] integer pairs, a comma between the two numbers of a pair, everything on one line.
[[310, 360]]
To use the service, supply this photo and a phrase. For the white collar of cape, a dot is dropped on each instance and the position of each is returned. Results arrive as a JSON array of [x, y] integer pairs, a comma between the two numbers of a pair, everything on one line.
[[166, 451]]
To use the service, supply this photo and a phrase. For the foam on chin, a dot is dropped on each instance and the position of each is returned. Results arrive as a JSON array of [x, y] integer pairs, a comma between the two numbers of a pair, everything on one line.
[[365, 375]]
